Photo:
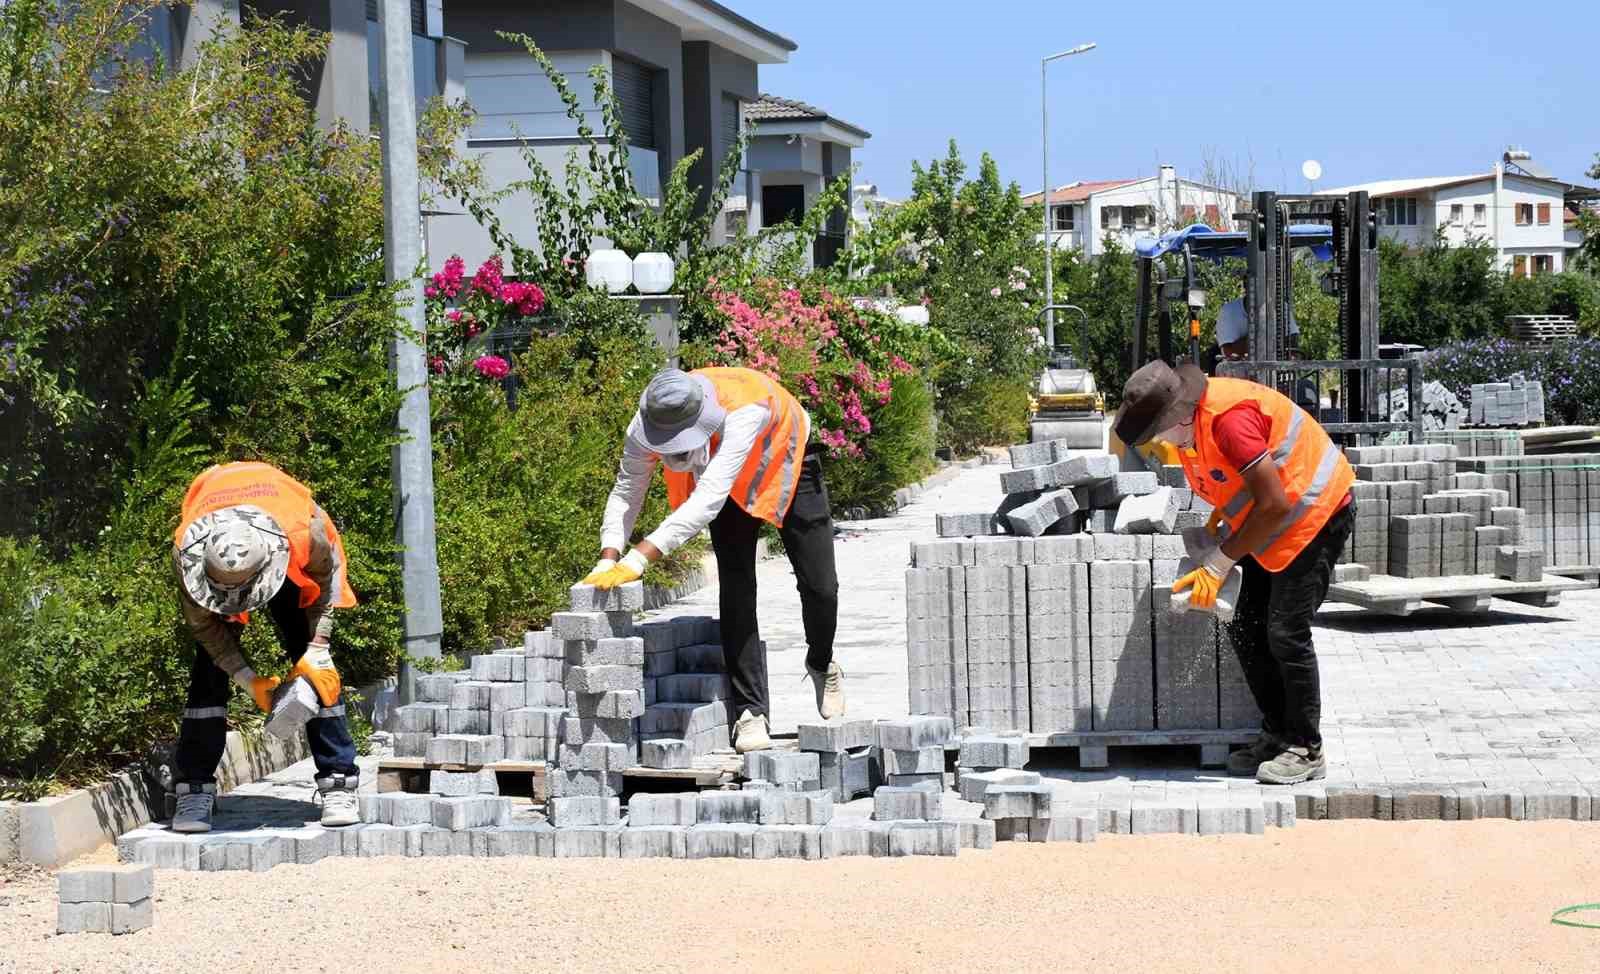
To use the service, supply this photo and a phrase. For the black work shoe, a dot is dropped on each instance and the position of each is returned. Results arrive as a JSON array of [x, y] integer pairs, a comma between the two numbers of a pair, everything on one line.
[[1294, 765], [1245, 762]]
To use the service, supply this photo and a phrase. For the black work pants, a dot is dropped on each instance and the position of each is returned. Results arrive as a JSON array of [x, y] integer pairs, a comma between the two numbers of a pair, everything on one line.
[[203, 734], [807, 534], [1271, 632]]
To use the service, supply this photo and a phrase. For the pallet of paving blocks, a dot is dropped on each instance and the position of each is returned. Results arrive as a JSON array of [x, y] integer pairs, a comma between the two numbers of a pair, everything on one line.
[[1560, 494], [1067, 635]]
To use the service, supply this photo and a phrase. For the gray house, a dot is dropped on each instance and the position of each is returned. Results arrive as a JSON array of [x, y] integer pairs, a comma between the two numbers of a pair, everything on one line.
[[681, 70]]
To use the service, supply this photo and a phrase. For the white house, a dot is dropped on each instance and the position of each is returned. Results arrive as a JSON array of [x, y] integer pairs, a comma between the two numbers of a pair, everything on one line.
[[1516, 208], [1082, 214]]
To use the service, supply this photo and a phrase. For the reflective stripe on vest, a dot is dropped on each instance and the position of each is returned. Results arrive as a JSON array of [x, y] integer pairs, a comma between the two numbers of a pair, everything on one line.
[[1314, 472], [287, 500], [765, 488]]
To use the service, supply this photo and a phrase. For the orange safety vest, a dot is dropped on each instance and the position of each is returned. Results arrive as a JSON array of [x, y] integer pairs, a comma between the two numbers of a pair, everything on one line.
[[766, 486], [1316, 477], [280, 495]]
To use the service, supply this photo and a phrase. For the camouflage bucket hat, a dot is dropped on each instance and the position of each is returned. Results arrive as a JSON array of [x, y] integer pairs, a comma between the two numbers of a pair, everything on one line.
[[233, 560]]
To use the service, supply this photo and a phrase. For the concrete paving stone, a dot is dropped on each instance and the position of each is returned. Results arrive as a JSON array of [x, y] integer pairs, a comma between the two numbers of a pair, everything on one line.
[[616, 651], [780, 807], [130, 917], [1017, 801], [974, 785], [928, 838], [787, 842], [87, 885], [313, 843], [923, 760], [581, 731], [1085, 469], [494, 667], [588, 842], [850, 774], [665, 753], [701, 658], [837, 735], [612, 704], [647, 810], [534, 722], [996, 551], [854, 837], [1152, 513], [782, 768], [1039, 515], [908, 734], [891, 803], [693, 688], [928, 780], [1024, 479], [567, 783], [370, 841], [83, 917], [429, 841], [583, 811], [597, 757], [535, 839], [591, 625], [470, 812], [975, 833], [720, 841], [418, 718], [729, 808], [628, 597], [602, 679], [654, 842], [940, 554], [1022, 829], [990, 752], [396, 808], [467, 721]]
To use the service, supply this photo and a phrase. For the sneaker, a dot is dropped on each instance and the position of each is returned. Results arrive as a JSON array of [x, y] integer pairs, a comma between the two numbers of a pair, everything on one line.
[[1245, 762], [750, 733], [1292, 766], [195, 804], [829, 685], [339, 806]]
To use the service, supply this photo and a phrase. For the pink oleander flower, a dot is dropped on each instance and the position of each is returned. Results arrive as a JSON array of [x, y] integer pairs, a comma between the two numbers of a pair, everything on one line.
[[994, 292], [528, 299], [453, 315], [436, 364], [492, 367], [490, 278]]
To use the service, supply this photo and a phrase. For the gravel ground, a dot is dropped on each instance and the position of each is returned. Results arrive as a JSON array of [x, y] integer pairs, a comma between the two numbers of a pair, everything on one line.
[[1339, 895]]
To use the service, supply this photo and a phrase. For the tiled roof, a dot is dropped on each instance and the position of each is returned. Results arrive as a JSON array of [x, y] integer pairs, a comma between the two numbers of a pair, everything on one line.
[[1078, 192], [773, 107]]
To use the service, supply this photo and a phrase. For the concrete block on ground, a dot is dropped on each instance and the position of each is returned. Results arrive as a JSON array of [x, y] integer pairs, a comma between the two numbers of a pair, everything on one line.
[[781, 807], [850, 774], [891, 803], [837, 735], [1088, 468], [720, 841], [645, 810], [597, 757], [1110, 493], [922, 760], [975, 784], [584, 810], [470, 812], [1036, 517], [568, 783], [855, 837], [989, 752], [782, 768], [1519, 563], [588, 841], [729, 807], [461, 783], [623, 598], [925, 838], [908, 734], [664, 753], [1017, 801]]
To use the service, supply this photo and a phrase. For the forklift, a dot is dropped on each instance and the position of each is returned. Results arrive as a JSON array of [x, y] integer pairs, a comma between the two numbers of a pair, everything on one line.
[[1268, 244]]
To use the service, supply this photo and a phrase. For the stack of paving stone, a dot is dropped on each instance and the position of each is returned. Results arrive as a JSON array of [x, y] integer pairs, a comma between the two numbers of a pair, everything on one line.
[[1064, 633], [105, 899], [1055, 490], [1560, 493], [849, 763], [1480, 442], [508, 705], [1515, 402], [605, 695], [685, 692]]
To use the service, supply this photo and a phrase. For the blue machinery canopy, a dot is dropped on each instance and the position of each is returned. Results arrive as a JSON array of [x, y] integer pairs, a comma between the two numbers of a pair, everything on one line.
[[1211, 244]]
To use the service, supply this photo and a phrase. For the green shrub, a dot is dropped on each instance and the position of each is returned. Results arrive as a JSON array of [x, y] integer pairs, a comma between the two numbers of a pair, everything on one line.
[[899, 451], [1569, 370], [990, 411]]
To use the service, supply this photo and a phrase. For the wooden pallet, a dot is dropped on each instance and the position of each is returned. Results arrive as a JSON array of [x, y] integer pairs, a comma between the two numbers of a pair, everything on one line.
[[1461, 593], [516, 778], [1093, 747]]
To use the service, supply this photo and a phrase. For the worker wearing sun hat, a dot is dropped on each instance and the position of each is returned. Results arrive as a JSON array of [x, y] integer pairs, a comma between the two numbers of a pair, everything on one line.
[[1281, 492], [251, 537], [732, 435]]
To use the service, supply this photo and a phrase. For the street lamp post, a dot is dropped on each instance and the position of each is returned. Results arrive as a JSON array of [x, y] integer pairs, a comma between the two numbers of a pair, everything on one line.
[[1049, 245]]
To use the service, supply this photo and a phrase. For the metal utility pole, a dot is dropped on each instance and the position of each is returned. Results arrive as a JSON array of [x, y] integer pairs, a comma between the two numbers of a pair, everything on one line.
[[412, 462], [1049, 245]]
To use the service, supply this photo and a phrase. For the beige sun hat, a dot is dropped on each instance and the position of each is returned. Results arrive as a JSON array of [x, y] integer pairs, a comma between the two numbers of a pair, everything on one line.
[[234, 559]]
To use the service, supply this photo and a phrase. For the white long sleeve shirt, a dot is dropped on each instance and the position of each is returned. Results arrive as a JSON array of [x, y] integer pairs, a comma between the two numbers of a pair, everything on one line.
[[713, 483]]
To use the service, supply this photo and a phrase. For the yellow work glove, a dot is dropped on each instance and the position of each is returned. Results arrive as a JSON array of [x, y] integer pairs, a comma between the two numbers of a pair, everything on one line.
[[1206, 581], [261, 688], [316, 665], [629, 569], [600, 568]]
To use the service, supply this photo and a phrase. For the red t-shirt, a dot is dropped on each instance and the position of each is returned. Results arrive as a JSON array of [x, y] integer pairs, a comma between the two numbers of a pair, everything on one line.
[[1241, 436]]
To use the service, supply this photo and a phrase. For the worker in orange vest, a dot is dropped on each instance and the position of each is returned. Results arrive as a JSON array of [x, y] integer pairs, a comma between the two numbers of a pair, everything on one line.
[[250, 537], [733, 434], [1283, 510]]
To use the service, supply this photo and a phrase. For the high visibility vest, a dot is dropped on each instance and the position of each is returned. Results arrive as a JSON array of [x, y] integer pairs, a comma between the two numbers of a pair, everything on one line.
[[1316, 477], [280, 495], [766, 485]]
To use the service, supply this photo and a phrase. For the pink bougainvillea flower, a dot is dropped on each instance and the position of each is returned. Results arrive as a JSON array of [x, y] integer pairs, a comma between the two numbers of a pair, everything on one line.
[[436, 363], [492, 367], [994, 292], [453, 315]]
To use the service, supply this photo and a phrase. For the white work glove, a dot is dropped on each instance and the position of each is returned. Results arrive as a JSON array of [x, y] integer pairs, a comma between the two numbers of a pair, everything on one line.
[[1219, 564]]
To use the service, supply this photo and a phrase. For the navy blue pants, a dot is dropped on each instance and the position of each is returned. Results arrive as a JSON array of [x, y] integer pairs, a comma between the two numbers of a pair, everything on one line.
[[203, 735]]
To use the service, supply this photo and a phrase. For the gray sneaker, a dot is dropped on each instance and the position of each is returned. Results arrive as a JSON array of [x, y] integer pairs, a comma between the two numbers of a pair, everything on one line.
[[1294, 765], [195, 804], [1245, 762]]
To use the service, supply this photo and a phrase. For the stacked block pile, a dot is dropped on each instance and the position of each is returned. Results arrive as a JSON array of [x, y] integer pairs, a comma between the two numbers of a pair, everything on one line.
[[1560, 493], [1515, 402], [1418, 517], [508, 705], [1064, 633], [1055, 490], [685, 692], [1479, 443], [105, 899]]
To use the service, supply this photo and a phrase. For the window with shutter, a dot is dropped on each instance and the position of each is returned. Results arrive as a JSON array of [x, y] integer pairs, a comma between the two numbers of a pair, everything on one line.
[[1519, 266], [1186, 215], [1524, 214], [1213, 215], [419, 16], [1544, 214], [730, 120], [1111, 217], [635, 89]]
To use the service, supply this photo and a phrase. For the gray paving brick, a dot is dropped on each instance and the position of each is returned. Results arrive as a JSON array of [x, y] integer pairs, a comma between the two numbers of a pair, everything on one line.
[[890, 803]]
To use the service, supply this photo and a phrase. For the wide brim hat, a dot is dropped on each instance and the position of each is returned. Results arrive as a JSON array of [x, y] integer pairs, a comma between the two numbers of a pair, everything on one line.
[[250, 594], [678, 412], [1158, 398]]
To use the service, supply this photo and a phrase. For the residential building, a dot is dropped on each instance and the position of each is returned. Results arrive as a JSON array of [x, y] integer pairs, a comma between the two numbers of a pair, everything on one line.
[[794, 151], [1515, 207], [1084, 214], [867, 205]]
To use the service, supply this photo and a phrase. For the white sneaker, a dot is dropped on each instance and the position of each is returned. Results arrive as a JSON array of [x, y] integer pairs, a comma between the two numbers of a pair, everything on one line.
[[195, 804], [339, 805], [750, 733], [829, 685]]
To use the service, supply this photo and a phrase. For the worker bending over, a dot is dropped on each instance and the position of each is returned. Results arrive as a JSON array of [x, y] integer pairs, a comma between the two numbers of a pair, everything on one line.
[[251, 537], [1281, 493], [732, 434]]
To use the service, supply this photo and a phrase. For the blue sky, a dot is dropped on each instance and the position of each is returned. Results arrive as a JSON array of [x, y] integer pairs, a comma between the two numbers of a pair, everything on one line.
[[1371, 90]]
